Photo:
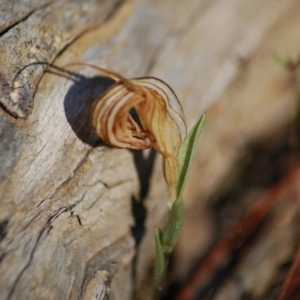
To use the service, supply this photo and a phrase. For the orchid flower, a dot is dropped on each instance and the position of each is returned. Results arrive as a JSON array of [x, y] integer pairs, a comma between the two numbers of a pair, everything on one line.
[[160, 113]]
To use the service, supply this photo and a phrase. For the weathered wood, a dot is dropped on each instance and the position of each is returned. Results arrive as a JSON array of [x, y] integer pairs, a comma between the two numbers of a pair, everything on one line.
[[65, 210], [42, 37], [65, 203], [13, 12]]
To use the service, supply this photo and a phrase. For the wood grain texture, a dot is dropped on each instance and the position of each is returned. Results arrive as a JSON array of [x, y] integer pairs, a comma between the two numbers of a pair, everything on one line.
[[65, 210], [60, 195], [12, 12], [41, 37]]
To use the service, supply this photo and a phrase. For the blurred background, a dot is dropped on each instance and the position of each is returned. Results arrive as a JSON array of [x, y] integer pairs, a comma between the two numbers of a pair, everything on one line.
[[239, 61]]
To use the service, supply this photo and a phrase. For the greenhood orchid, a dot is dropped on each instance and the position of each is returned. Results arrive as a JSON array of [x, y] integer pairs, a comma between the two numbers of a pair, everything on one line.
[[160, 113]]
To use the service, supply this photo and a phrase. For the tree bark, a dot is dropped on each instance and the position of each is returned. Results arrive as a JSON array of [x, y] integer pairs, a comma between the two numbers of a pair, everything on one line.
[[76, 216]]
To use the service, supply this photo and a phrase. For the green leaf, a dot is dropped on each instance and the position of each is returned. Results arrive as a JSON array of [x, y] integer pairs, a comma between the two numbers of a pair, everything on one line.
[[186, 154], [174, 226], [160, 261]]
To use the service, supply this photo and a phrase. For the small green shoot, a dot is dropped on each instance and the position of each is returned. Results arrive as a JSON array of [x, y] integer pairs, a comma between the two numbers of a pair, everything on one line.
[[165, 241]]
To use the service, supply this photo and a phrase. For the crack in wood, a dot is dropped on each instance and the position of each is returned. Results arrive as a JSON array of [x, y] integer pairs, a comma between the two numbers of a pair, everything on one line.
[[24, 18], [111, 14], [3, 227], [46, 228], [79, 220], [59, 212], [2, 257]]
